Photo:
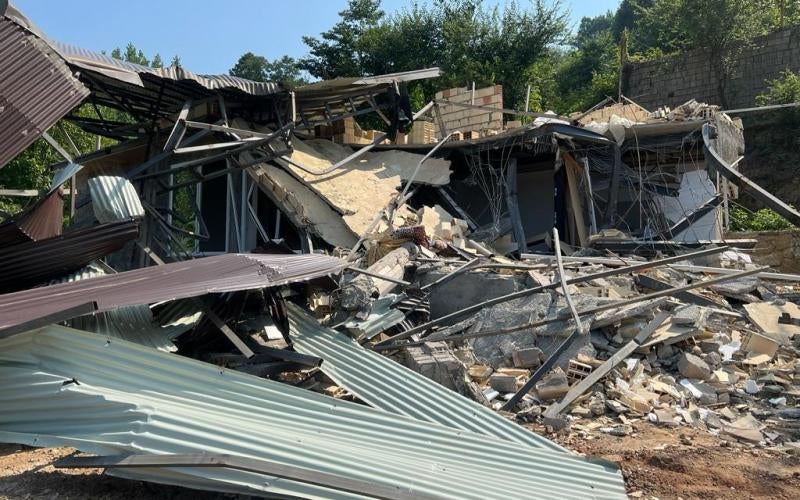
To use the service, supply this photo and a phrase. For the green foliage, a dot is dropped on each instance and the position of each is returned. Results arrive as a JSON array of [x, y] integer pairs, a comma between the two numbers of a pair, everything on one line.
[[782, 90], [760, 220], [285, 70], [470, 40], [340, 51], [251, 67]]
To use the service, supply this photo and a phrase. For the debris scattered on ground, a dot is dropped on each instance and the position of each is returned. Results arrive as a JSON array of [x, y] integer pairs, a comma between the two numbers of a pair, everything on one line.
[[403, 293]]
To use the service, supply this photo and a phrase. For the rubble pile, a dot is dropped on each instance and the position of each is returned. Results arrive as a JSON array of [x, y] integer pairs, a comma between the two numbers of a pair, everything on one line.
[[722, 357], [250, 294]]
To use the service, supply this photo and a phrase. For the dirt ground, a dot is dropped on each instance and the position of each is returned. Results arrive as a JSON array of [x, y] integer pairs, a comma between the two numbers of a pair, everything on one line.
[[656, 462], [687, 463]]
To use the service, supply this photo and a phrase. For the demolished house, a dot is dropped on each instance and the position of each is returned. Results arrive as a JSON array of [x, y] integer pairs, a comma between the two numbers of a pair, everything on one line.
[[254, 295]]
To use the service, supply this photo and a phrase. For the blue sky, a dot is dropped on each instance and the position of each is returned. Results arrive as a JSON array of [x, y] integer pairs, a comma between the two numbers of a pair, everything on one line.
[[208, 36]]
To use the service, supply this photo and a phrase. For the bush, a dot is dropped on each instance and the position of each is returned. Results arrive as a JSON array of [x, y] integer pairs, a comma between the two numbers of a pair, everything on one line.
[[760, 220]]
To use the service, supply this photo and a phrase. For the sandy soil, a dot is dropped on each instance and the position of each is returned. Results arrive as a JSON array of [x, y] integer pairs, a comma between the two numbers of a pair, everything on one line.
[[657, 462]]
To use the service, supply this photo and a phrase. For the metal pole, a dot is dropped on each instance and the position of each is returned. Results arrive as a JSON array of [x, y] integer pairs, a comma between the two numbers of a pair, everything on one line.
[[531, 291]]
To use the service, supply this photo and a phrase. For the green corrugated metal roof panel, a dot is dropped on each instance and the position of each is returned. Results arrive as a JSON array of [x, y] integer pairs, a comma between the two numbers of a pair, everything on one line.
[[64, 387], [387, 385]]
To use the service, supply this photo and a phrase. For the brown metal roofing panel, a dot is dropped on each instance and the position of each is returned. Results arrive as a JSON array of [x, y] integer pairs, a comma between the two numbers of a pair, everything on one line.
[[44, 219], [36, 262], [192, 278], [36, 89], [47, 220]]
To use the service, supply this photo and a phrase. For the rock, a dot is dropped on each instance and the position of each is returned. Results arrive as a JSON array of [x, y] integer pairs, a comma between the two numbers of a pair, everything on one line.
[[713, 359], [530, 357], [691, 366], [616, 406], [503, 383], [664, 417], [712, 420], [553, 386], [772, 389], [665, 352], [597, 405], [751, 387], [480, 373], [617, 430]]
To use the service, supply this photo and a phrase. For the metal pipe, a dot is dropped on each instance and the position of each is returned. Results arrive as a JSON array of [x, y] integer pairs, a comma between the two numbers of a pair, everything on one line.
[[586, 312], [531, 291]]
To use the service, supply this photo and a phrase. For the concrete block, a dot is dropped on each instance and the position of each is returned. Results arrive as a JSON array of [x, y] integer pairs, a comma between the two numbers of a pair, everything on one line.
[[693, 367], [531, 357], [503, 383]]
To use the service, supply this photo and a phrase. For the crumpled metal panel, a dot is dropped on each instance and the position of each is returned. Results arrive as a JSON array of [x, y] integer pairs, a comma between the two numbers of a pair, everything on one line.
[[191, 278], [134, 324], [63, 387], [114, 198], [43, 219], [131, 73], [36, 89], [387, 385], [36, 262]]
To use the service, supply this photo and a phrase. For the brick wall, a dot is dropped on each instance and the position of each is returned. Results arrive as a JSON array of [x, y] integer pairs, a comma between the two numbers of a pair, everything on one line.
[[461, 119], [779, 250], [674, 80]]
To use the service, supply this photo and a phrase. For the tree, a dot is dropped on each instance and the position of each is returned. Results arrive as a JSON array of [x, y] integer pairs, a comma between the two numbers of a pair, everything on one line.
[[251, 67], [338, 51], [286, 71], [470, 40]]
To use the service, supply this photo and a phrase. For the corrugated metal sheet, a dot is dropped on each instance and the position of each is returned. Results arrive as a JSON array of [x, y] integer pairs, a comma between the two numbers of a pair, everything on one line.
[[44, 219], [217, 274], [114, 198], [41, 220], [131, 73], [134, 324], [389, 386], [36, 89], [381, 317], [63, 387], [36, 262]]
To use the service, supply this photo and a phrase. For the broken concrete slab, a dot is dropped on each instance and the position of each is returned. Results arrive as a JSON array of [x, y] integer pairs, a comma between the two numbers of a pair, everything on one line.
[[693, 367]]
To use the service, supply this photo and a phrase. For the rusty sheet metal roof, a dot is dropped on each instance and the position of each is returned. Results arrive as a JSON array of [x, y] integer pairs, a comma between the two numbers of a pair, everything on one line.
[[35, 262], [41, 220], [192, 278], [36, 89], [135, 323], [132, 73]]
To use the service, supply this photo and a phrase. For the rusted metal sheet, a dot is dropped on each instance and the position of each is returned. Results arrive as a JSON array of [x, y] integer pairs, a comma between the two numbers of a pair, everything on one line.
[[36, 89], [42, 220], [35, 262], [217, 274]]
